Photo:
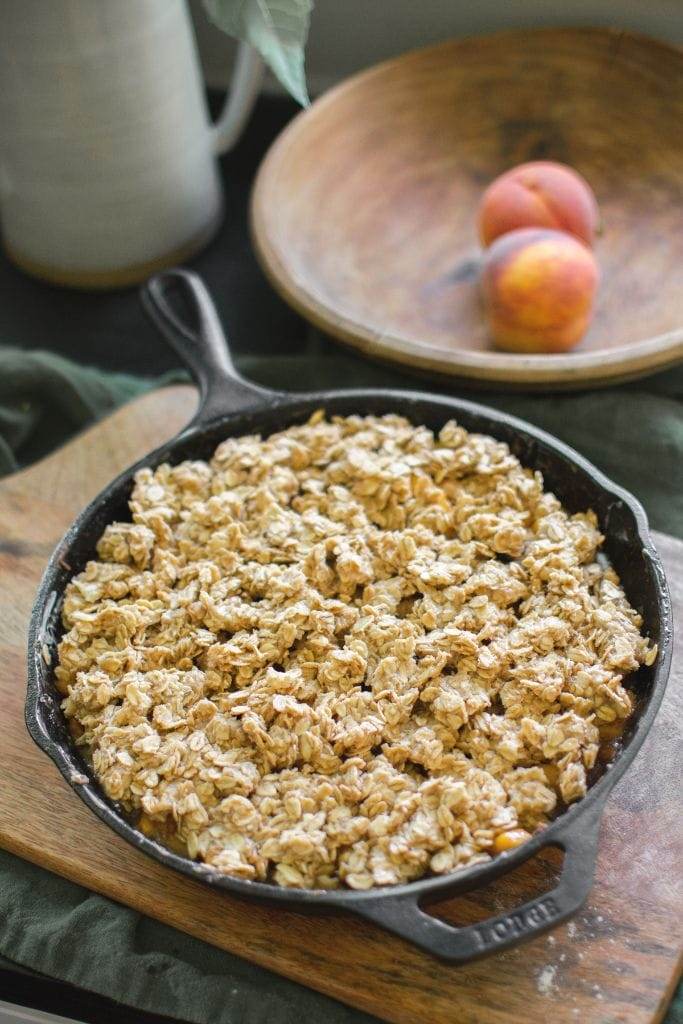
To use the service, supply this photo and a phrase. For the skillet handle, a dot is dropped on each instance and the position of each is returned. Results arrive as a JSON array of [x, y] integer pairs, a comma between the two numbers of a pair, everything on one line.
[[168, 298], [403, 916]]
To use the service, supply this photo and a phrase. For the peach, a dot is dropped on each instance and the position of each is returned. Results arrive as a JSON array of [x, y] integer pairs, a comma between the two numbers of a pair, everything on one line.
[[542, 194], [538, 287]]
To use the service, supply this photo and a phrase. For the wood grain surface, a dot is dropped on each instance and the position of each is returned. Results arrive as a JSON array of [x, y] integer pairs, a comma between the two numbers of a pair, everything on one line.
[[363, 212], [617, 961]]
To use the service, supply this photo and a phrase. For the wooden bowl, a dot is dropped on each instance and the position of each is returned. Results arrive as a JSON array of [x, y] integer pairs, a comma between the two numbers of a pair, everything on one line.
[[363, 211]]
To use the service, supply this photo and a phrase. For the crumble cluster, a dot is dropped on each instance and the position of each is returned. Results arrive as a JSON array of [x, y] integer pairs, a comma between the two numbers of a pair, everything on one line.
[[348, 654]]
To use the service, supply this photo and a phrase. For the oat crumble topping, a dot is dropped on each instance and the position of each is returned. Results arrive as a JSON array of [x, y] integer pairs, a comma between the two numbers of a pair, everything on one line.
[[346, 655]]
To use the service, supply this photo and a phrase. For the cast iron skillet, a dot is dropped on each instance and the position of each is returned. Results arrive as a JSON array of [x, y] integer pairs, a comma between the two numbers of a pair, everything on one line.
[[229, 406]]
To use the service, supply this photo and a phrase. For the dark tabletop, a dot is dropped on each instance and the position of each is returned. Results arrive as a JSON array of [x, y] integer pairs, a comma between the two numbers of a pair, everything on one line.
[[109, 330]]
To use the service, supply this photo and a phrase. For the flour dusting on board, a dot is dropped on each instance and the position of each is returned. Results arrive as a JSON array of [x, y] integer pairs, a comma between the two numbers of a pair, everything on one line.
[[546, 980]]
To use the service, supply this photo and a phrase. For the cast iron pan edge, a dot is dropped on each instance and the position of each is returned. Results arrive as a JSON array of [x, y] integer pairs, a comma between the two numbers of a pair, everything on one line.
[[204, 350]]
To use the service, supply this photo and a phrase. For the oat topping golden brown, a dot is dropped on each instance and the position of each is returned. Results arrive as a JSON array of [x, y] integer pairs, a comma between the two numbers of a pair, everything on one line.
[[349, 654]]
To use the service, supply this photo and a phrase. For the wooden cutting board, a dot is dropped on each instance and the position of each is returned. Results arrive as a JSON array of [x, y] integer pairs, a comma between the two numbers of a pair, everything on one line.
[[617, 961]]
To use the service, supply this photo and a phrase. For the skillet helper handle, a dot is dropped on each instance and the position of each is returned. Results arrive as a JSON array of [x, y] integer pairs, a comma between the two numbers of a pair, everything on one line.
[[167, 298], [403, 916]]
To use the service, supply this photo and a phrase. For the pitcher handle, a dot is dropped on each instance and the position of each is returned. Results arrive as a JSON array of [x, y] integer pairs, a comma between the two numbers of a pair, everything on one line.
[[241, 97]]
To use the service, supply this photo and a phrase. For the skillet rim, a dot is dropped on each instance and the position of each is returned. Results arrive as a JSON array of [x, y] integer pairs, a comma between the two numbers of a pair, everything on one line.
[[293, 405]]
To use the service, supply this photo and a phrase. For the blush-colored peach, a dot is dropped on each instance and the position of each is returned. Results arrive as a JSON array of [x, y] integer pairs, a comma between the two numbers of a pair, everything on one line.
[[538, 287], [540, 194]]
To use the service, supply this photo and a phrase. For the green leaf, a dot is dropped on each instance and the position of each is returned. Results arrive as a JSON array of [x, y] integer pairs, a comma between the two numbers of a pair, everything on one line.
[[276, 28]]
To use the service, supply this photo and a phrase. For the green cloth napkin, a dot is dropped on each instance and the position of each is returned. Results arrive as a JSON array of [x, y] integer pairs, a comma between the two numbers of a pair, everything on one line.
[[634, 433], [45, 399]]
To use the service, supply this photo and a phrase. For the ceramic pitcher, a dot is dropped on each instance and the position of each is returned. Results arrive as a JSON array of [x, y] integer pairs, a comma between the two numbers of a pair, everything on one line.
[[107, 155]]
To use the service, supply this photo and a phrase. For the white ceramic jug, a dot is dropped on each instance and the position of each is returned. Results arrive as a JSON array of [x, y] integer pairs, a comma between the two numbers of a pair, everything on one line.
[[107, 155]]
